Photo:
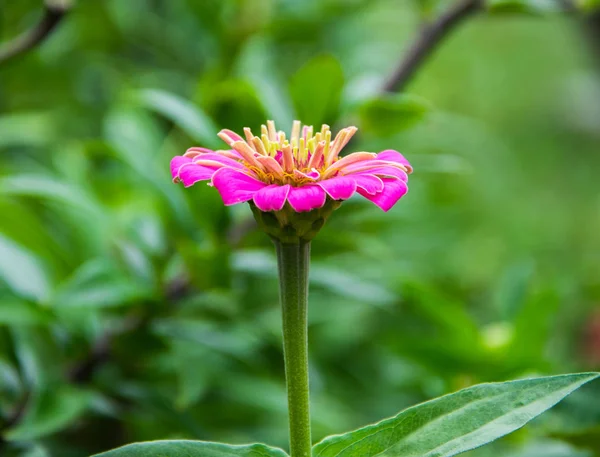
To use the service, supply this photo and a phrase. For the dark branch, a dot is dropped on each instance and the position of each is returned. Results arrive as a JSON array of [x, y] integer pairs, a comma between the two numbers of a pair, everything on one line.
[[430, 37], [54, 12]]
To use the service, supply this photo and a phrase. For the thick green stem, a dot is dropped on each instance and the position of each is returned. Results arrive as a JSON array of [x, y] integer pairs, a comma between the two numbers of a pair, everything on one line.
[[293, 262]]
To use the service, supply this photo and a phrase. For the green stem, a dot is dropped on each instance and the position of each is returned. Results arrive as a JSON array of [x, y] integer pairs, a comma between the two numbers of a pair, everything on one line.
[[293, 261]]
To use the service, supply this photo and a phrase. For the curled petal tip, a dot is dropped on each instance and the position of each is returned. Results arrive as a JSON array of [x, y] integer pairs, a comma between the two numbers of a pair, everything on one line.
[[393, 190], [229, 137], [394, 156]]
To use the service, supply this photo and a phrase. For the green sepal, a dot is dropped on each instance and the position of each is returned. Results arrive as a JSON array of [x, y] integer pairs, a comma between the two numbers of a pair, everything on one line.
[[291, 227]]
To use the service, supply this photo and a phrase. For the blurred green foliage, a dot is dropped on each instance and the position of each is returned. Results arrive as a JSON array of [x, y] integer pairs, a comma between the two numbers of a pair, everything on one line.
[[132, 309]]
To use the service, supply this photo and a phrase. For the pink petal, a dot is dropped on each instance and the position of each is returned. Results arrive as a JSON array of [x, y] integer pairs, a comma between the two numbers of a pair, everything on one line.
[[272, 198], [190, 173], [271, 165], [176, 163], [393, 190], [354, 158], [229, 136], [195, 151], [313, 175], [215, 157], [368, 183], [307, 197], [339, 188], [377, 167], [230, 153], [395, 156], [235, 186], [389, 172]]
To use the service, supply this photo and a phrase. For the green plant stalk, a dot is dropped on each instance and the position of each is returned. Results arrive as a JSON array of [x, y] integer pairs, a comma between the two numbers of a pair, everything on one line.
[[293, 261]]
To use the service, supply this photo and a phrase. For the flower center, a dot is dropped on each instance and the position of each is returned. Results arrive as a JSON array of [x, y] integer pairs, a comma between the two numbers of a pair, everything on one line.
[[301, 159]]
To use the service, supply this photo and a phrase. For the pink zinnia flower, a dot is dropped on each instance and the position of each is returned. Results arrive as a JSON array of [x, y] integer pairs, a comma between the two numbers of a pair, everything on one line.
[[271, 170]]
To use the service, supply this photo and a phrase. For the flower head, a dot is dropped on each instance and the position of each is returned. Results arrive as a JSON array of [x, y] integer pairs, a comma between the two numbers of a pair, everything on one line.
[[270, 170]]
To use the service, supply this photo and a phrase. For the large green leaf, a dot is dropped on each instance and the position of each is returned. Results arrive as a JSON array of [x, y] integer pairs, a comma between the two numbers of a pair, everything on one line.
[[182, 448], [455, 423]]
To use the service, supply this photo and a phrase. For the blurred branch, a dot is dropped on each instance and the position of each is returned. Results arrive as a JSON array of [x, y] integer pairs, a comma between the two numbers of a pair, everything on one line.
[[429, 38], [54, 12]]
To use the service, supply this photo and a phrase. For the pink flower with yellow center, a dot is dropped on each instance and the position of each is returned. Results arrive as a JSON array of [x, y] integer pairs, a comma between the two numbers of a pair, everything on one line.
[[304, 171]]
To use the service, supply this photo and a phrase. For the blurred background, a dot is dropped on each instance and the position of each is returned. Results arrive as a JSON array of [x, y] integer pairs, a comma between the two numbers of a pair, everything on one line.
[[132, 309]]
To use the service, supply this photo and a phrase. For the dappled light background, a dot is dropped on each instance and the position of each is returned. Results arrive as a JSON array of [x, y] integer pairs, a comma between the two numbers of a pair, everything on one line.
[[132, 309]]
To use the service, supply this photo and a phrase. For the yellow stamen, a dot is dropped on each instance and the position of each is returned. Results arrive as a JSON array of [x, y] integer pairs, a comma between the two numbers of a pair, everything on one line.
[[302, 149], [266, 142], [259, 146], [327, 144], [311, 145]]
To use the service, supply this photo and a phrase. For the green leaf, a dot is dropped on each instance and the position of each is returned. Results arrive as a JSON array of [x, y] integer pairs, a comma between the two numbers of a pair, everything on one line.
[[22, 271], [98, 284], [317, 89], [192, 376], [187, 116], [392, 113], [27, 129], [136, 139], [232, 341], [455, 423], [183, 448], [22, 313], [50, 188], [52, 410]]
